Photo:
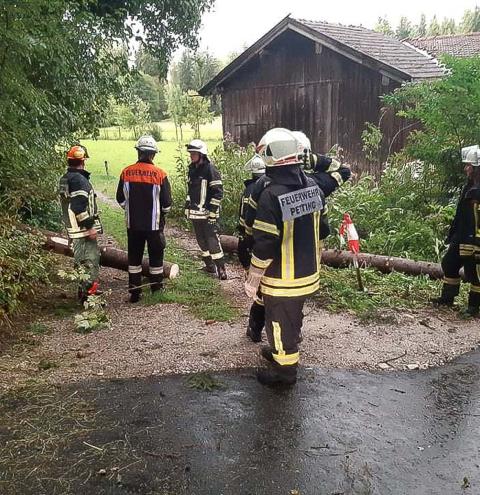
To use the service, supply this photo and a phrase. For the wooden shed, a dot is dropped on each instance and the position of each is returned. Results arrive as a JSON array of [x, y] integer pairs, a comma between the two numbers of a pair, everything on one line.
[[324, 79]]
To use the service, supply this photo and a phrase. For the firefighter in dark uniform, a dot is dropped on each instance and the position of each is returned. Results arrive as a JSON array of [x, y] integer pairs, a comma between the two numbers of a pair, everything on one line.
[[80, 215], [464, 239], [256, 320], [144, 193], [328, 173], [202, 207], [286, 250]]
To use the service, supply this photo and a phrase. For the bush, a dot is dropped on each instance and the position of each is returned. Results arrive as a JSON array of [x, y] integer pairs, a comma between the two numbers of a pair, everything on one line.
[[406, 214], [23, 264], [229, 159], [155, 131]]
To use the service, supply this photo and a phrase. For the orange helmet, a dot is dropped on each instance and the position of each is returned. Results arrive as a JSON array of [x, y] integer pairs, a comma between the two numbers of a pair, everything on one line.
[[76, 153]]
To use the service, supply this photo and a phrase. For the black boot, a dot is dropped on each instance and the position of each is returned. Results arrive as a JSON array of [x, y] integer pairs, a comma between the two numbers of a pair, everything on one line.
[[448, 295], [156, 282], [266, 353], [221, 271], [135, 294], [473, 308], [254, 334], [278, 375], [209, 265]]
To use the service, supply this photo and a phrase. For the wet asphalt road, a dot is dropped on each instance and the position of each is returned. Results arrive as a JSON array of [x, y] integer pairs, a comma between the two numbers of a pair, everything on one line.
[[336, 432]]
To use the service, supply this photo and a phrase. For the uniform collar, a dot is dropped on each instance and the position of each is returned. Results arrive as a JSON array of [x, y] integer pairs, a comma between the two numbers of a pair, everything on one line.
[[290, 175], [80, 171]]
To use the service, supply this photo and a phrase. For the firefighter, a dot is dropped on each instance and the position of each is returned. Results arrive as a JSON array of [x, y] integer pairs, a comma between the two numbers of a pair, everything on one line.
[[202, 207], [80, 215], [285, 255], [256, 320], [464, 239], [328, 173], [144, 193]]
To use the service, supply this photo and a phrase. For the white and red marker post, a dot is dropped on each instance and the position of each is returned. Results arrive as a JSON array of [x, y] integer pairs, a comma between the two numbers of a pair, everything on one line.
[[353, 242]]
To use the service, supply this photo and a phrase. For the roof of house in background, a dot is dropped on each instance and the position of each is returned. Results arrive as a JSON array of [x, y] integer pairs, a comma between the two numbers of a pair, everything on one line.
[[458, 45], [375, 50]]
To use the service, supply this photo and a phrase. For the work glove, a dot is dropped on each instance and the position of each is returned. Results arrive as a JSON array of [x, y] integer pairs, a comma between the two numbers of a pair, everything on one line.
[[252, 283]]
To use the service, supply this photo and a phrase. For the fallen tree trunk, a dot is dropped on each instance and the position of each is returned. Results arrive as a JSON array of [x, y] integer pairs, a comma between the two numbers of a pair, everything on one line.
[[111, 257], [342, 259]]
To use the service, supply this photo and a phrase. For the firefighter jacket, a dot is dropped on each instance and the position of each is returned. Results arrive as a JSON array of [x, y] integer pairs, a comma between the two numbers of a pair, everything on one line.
[[286, 233], [244, 204], [245, 242], [144, 193], [328, 174], [78, 202], [465, 227], [205, 191]]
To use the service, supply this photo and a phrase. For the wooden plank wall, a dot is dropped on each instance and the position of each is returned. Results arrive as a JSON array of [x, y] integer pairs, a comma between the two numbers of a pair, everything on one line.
[[298, 85]]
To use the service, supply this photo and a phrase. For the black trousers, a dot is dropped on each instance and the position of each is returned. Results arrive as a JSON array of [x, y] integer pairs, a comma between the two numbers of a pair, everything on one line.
[[283, 323], [208, 241], [155, 241], [451, 265]]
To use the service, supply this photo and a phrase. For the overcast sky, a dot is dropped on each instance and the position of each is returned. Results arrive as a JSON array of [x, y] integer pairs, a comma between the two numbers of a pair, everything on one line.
[[233, 24]]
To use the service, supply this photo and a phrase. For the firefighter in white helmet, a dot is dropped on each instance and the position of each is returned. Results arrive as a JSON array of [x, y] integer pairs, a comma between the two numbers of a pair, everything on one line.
[[464, 239], [144, 193], [256, 321], [202, 207], [285, 255]]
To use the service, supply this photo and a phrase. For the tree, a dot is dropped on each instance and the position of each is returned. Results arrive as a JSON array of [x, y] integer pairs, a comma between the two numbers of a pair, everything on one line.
[[59, 63], [145, 62], [153, 92], [470, 21], [404, 29], [447, 111], [197, 112], [383, 26], [194, 70], [177, 108], [421, 29], [434, 27], [448, 26]]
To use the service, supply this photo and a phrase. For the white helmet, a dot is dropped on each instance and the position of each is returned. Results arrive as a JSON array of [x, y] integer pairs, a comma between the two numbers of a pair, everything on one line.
[[147, 143], [303, 139], [255, 165], [471, 154], [279, 147], [306, 145], [197, 145]]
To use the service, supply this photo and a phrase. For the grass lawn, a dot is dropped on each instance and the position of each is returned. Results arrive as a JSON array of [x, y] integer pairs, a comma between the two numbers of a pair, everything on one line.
[[119, 154]]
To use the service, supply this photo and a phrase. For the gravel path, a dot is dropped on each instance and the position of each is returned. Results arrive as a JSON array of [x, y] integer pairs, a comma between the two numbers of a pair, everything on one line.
[[165, 338]]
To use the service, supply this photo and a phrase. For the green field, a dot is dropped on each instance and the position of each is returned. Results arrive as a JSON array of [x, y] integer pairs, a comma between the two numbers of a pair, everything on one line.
[[119, 154], [209, 132]]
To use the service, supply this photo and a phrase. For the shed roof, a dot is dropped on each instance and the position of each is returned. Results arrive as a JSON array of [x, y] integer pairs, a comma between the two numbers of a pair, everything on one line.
[[458, 45], [375, 50]]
